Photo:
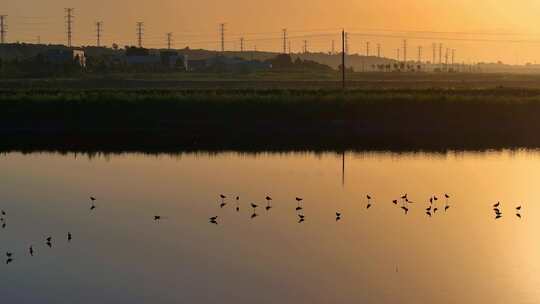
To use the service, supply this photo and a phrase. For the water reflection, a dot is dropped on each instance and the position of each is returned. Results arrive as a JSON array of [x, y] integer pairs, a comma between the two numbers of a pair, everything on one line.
[[120, 253]]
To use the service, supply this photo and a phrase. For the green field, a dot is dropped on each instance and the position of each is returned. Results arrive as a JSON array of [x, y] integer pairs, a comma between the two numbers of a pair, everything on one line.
[[271, 118]]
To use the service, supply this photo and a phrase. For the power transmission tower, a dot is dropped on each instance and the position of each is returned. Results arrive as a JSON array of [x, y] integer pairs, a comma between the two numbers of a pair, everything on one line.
[[140, 26], [420, 54], [222, 36], [446, 60], [343, 50], [305, 47], [440, 54], [367, 49], [378, 50], [397, 51], [405, 50], [38, 39], [434, 53], [289, 45], [169, 40], [69, 24], [453, 57], [3, 28], [241, 44], [285, 41], [99, 30]]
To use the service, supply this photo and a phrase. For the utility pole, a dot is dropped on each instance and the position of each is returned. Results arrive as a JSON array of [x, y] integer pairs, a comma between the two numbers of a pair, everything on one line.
[[367, 49], [241, 44], [398, 59], [3, 28], [343, 38], [378, 50], [140, 26], [222, 36], [285, 41], [419, 54], [169, 40], [69, 24], [99, 29], [405, 50], [38, 39], [305, 47]]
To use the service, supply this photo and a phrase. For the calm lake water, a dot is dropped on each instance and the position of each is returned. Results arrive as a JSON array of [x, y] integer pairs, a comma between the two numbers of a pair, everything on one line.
[[120, 255]]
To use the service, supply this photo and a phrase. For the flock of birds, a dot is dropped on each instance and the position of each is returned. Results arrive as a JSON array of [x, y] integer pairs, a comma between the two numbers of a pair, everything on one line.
[[403, 203]]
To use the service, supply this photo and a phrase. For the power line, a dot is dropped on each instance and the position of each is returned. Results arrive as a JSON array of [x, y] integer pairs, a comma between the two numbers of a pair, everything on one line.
[[69, 24]]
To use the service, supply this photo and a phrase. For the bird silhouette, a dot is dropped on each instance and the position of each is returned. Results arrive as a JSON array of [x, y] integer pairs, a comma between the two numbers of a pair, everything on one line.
[[301, 218], [298, 203], [405, 209], [9, 254], [497, 205], [518, 208], [48, 239], [31, 250], [158, 218], [268, 200], [428, 213], [395, 202], [4, 225], [92, 198], [3, 212], [49, 244], [446, 207], [237, 204], [254, 215], [435, 210], [518, 215], [447, 196], [498, 216], [223, 197], [338, 216], [9, 260], [254, 206], [428, 209], [92, 206], [69, 237], [213, 218]]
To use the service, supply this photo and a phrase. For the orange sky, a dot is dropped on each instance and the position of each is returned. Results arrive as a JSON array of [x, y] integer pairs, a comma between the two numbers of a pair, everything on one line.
[[196, 22]]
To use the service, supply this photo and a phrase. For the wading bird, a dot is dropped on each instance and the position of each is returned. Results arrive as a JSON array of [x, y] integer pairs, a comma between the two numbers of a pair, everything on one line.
[[268, 200], [298, 202], [223, 197]]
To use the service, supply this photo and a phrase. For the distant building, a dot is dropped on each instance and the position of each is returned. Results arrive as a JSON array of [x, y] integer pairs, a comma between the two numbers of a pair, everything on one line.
[[172, 60], [65, 56]]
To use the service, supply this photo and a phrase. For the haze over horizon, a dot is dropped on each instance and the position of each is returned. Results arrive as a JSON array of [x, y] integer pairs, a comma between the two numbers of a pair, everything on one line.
[[486, 30]]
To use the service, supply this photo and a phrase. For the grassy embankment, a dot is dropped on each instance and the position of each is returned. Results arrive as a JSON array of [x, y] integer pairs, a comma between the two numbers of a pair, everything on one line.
[[269, 119]]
